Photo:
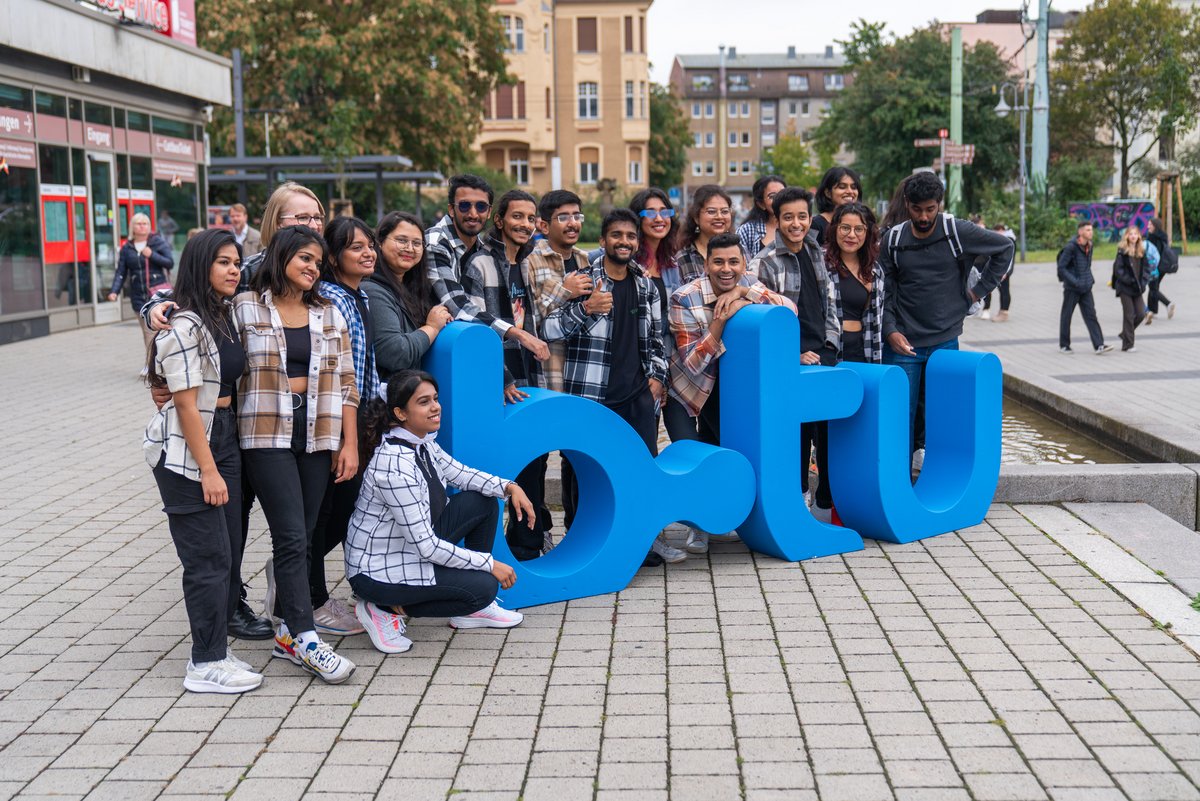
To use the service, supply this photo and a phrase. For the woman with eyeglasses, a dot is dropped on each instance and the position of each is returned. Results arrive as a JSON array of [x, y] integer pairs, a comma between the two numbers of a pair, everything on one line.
[[710, 213], [856, 279], [405, 314], [297, 422], [758, 230], [840, 185]]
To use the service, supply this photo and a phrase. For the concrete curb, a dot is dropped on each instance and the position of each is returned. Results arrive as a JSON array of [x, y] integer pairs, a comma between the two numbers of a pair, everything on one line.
[[1170, 488]]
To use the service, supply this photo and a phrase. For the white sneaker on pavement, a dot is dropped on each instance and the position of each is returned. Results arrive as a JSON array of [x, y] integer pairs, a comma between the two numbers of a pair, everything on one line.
[[669, 553], [1170, 310], [221, 676], [318, 658], [1103, 349], [697, 541], [492, 616], [332, 617], [728, 536], [384, 627]]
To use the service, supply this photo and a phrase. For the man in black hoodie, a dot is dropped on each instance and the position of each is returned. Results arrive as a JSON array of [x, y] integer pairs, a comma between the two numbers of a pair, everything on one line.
[[1075, 272], [928, 279]]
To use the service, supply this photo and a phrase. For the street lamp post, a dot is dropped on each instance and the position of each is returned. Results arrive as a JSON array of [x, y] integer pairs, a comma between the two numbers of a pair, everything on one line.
[[1002, 110]]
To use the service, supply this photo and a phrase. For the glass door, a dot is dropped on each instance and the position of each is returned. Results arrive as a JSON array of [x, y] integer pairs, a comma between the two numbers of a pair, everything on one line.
[[102, 214]]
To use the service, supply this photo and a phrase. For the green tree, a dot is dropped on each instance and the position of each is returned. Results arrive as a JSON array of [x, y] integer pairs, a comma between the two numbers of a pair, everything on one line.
[[416, 71], [1127, 69], [901, 92], [791, 159], [669, 138]]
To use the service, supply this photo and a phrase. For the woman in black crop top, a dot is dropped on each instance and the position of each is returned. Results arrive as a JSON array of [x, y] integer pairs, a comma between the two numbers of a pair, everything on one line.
[[851, 253]]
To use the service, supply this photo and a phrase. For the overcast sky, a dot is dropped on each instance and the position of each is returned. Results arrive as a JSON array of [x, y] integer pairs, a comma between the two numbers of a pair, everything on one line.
[[769, 26]]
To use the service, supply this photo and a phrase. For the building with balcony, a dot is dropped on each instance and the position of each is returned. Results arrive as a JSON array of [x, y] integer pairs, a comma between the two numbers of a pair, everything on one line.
[[740, 104], [579, 109]]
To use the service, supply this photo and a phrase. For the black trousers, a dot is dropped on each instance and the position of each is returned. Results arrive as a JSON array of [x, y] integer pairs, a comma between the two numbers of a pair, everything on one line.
[[1005, 296], [1133, 311], [208, 540], [524, 542], [290, 485], [1156, 296], [639, 413], [680, 425], [330, 531], [1087, 310], [468, 516]]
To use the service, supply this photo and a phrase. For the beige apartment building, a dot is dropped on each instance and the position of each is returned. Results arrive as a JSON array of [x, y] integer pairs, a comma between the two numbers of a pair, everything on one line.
[[579, 111], [740, 104]]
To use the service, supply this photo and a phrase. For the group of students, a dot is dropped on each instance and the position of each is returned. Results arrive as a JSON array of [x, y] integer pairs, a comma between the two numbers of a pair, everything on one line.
[[294, 377]]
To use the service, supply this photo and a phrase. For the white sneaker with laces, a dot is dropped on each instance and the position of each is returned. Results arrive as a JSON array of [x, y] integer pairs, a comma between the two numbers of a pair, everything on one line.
[[491, 616], [728, 536], [697, 541], [221, 676], [332, 617], [385, 628], [1103, 349], [918, 460], [985, 315], [1170, 310], [322, 661], [240, 663], [669, 553]]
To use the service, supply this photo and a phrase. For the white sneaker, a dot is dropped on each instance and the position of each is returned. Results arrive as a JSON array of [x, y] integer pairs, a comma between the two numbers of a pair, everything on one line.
[[1103, 349], [697, 541], [669, 553], [332, 617], [1149, 318], [1170, 310], [240, 663], [491, 616], [386, 629], [985, 315], [918, 460], [728, 536], [823, 515], [318, 658], [222, 676], [269, 600]]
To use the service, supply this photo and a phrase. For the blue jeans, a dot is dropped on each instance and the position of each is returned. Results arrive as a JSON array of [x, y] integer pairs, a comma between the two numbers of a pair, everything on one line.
[[914, 367]]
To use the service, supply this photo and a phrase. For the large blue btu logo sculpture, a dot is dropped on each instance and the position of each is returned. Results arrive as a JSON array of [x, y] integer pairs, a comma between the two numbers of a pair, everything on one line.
[[753, 483]]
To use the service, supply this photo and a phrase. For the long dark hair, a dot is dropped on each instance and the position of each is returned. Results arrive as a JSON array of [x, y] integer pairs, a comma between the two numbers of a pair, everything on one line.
[[272, 273], [666, 246], [507, 199], [832, 176], [377, 417], [339, 235], [415, 290], [194, 292], [689, 232], [897, 211], [762, 207], [867, 254]]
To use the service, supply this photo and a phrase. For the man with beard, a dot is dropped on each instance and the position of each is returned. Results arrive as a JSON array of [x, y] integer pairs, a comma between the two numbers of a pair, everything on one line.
[[614, 349], [927, 271], [451, 240], [699, 311], [496, 278]]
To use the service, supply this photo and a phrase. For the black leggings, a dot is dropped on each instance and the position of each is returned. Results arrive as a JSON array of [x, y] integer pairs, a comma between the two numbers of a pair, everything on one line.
[[471, 517]]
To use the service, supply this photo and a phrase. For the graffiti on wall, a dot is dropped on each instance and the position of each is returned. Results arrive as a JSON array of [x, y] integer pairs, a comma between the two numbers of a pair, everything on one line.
[[1111, 218]]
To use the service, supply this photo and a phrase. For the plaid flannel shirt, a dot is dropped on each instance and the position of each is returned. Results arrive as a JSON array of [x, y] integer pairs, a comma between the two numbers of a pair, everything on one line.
[[780, 271], [187, 357], [362, 350], [445, 255], [690, 263], [546, 293], [751, 233], [588, 336], [265, 411], [390, 537], [485, 280], [694, 362], [872, 320]]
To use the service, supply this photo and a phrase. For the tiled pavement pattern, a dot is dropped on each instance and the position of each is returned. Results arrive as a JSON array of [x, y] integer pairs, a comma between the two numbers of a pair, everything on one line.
[[1153, 389], [982, 664]]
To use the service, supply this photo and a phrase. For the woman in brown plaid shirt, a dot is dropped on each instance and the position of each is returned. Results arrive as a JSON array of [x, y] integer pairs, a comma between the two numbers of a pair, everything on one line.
[[297, 421]]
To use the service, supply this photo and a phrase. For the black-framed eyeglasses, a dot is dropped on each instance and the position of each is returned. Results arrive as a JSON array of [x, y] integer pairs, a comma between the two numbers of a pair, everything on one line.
[[480, 206], [666, 214]]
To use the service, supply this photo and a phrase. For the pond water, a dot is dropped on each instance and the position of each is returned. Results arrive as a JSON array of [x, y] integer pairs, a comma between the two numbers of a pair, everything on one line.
[[1033, 438]]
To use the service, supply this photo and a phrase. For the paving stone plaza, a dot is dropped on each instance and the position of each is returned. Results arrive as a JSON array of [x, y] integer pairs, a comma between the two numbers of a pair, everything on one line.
[[988, 663]]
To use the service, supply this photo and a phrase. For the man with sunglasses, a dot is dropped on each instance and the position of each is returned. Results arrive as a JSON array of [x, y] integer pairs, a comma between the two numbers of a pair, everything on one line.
[[452, 240]]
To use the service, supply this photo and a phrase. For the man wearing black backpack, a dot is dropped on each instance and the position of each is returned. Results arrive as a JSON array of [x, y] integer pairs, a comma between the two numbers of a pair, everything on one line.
[[1075, 273], [931, 286]]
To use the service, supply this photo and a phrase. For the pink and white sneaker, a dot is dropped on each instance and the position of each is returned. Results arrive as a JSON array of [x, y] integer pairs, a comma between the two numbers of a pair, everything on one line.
[[490, 617], [385, 628]]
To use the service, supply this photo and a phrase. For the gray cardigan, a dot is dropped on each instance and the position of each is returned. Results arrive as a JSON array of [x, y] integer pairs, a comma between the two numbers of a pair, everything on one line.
[[399, 345]]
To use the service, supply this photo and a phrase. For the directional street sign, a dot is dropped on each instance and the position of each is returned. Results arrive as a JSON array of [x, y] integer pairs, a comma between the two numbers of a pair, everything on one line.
[[927, 143]]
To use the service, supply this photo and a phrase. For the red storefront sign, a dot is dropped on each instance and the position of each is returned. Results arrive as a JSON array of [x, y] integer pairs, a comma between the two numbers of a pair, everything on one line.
[[173, 18], [174, 171], [172, 147], [16, 122], [17, 154]]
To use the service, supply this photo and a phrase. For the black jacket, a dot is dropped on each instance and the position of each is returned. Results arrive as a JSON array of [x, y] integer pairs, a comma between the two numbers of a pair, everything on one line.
[[1130, 276], [1075, 267], [132, 267]]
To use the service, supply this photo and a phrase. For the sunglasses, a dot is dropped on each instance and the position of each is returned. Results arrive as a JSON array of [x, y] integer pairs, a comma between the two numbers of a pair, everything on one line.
[[481, 207], [666, 214]]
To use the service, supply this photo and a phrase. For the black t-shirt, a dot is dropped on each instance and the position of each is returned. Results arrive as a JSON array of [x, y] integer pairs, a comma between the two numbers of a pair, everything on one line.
[[818, 228], [233, 362], [663, 296], [514, 308], [854, 299], [626, 378], [299, 348], [811, 306]]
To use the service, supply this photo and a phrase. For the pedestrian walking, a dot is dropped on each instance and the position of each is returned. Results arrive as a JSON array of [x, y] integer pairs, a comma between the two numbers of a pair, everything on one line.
[[143, 268], [192, 445], [1004, 287], [1075, 273], [1157, 236], [1133, 269]]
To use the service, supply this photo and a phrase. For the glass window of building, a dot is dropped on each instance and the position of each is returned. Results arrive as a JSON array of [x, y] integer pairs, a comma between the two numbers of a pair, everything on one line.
[[21, 279], [97, 114], [16, 97], [589, 165], [589, 100], [57, 197], [53, 105], [835, 81], [797, 83], [629, 99], [164, 126], [137, 121], [75, 108]]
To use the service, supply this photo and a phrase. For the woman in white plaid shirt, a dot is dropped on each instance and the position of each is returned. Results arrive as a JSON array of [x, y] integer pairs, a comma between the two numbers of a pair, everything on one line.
[[401, 556]]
